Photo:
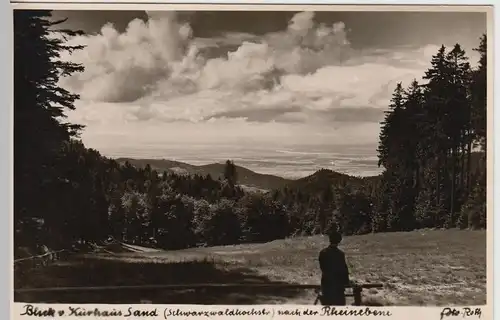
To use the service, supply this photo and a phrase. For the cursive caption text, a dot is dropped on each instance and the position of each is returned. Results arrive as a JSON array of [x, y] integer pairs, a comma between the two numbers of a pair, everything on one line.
[[461, 312], [144, 312]]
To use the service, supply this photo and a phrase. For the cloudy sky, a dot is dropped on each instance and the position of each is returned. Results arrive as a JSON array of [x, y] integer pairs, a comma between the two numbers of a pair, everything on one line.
[[279, 92]]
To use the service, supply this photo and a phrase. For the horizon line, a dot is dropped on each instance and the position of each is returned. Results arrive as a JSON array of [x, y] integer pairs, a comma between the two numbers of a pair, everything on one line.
[[243, 167]]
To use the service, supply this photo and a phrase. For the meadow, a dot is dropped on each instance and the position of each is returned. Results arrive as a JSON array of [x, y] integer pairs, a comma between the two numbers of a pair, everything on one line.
[[424, 267]]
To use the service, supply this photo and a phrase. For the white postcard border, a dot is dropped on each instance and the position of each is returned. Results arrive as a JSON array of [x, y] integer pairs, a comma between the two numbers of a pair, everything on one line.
[[397, 312]]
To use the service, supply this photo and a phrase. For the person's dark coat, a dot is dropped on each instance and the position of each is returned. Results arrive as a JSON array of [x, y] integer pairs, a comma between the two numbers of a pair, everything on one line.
[[334, 277]]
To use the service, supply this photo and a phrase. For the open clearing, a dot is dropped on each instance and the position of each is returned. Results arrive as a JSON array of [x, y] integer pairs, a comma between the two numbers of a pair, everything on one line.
[[425, 267]]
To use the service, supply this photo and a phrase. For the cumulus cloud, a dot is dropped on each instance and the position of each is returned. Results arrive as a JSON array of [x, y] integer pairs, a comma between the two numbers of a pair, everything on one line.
[[160, 58], [155, 84], [125, 67]]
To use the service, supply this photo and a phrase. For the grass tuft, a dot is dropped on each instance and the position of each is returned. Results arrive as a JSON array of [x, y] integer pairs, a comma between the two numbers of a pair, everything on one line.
[[429, 267]]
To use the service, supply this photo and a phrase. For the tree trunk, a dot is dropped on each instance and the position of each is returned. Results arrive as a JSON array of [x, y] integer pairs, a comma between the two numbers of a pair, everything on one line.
[[452, 189], [462, 165], [438, 180], [469, 152]]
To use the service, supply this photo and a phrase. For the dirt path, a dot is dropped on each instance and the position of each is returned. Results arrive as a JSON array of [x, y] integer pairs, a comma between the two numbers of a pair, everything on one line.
[[136, 248]]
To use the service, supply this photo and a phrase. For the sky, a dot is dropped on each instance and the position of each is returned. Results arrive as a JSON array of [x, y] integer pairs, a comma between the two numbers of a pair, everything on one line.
[[284, 93]]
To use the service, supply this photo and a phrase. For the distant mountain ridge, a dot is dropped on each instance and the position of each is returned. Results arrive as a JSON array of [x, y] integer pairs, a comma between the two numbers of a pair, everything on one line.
[[252, 180], [317, 181], [246, 177]]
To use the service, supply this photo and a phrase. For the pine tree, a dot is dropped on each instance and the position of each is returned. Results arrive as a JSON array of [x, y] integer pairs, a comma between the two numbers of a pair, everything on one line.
[[479, 98], [39, 111], [230, 174], [457, 124], [434, 129], [389, 128]]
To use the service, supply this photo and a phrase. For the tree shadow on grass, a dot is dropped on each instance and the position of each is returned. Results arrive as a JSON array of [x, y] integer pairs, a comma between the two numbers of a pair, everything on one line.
[[95, 271]]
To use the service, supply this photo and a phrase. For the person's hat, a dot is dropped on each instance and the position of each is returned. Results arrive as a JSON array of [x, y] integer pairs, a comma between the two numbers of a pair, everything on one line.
[[335, 236]]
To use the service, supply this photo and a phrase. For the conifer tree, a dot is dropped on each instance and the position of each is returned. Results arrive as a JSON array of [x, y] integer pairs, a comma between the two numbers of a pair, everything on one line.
[[39, 111], [230, 174]]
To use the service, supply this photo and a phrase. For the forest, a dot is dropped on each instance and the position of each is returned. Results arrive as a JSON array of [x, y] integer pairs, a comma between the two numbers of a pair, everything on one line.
[[432, 148]]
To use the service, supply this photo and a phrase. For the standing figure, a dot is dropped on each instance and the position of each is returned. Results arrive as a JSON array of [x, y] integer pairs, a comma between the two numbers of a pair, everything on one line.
[[334, 272]]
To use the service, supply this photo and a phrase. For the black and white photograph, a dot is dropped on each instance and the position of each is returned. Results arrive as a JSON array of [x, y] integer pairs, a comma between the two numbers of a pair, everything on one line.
[[251, 156]]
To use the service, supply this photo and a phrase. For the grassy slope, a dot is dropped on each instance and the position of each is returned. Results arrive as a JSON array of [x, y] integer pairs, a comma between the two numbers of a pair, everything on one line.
[[418, 268]]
